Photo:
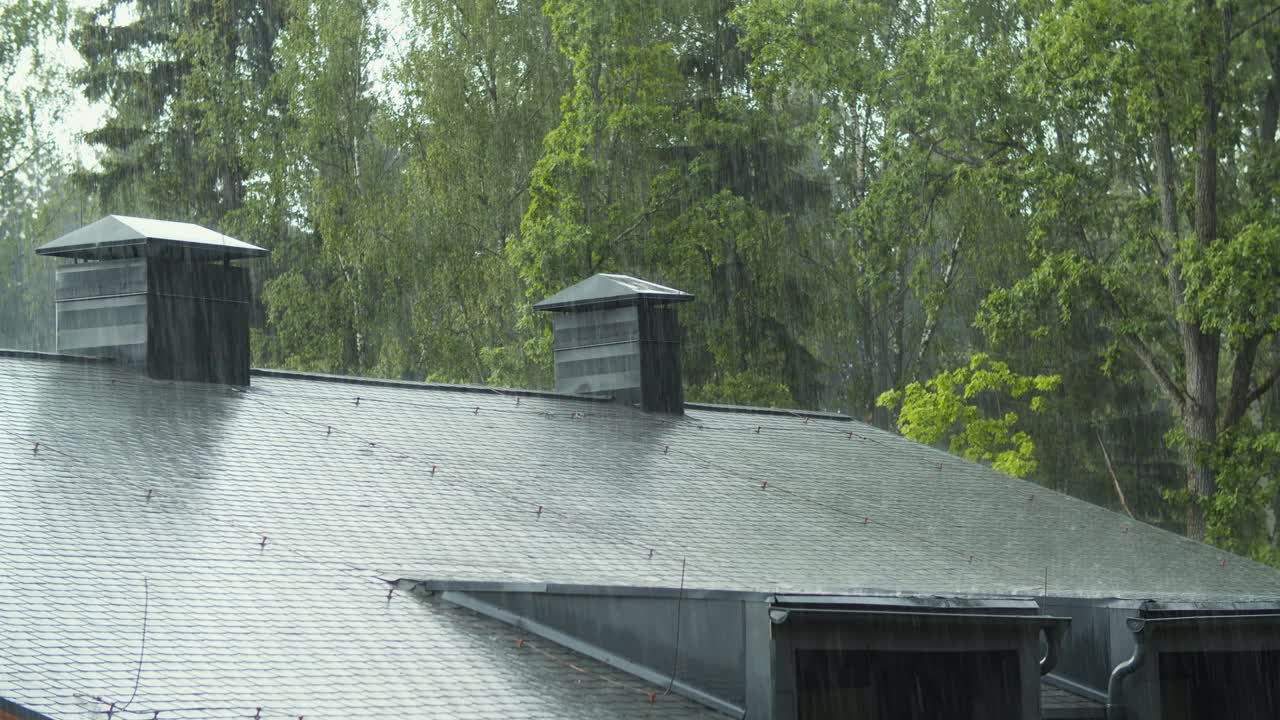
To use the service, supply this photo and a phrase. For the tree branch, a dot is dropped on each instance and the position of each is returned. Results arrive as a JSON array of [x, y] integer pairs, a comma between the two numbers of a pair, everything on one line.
[[1114, 480], [1257, 21], [931, 321], [1262, 389], [1241, 377], [1148, 359]]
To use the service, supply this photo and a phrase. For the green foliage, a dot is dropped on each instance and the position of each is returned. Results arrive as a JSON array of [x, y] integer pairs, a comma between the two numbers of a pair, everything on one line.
[[1233, 286], [26, 27], [480, 83], [744, 388], [34, 197], [1248, 479], [185, 87], [663, 165], [950, 405]]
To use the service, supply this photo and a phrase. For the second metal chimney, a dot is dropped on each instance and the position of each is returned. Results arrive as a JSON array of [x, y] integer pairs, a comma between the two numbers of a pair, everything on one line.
[[618, 336]]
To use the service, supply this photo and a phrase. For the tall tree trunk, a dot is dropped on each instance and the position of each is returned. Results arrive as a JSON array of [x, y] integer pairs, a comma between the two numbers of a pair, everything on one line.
[[1201, 349]]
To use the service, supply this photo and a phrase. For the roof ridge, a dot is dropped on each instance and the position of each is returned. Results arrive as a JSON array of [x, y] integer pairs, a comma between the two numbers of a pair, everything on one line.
[[419, 385], [756, 410], [455, 387], [63, 357]]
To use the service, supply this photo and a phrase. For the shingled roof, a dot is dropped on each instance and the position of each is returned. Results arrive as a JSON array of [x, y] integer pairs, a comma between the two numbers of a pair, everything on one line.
[[254, 533]]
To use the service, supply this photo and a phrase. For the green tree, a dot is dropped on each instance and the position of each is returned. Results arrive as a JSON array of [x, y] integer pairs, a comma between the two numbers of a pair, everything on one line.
[[327, 306], [1150, 191], [481, 87], [184, 83], [950, 405], [31, 167], [28, 108], [917, 227]]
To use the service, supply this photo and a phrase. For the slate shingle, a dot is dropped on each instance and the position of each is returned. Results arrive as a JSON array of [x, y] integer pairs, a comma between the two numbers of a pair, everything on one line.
[[177, 484], [295, 626]]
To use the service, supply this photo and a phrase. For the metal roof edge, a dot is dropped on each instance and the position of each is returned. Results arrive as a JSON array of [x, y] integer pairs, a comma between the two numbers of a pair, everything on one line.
[[1174, 603], [613, 660], [46, 251], [503, 586], [1236, 606], [936, 603], [853, 598], [970, 618], [10, 710], [420, 385], [59, 357], [1200, 622], [751, 410], [1074, 687]]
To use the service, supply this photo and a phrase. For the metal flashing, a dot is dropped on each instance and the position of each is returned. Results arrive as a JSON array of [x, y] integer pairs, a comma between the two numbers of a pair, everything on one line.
[[1075, 688], [873, 599], [54, 356], [594, 652], [935, 604], [120, 236], [1139, 624], [610, 290], [500, 586], [936, 617], [783, 412], [1243, 607], [417, 385]]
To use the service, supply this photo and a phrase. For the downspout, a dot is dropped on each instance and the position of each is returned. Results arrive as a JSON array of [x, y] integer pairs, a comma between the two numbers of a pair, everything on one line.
[[1115, 711], [1053, 640]]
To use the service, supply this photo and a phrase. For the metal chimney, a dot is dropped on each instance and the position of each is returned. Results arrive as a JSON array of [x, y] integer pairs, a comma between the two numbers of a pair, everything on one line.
[[157, 294], [618, 336]]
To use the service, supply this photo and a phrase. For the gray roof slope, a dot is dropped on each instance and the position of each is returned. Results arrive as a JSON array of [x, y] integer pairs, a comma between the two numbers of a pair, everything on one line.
[[540, 489], [345, 468], [232, 625], [1059, 704]]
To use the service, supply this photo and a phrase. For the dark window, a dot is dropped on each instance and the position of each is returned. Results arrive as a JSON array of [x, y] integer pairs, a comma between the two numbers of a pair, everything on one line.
[[1211, 685], [856, 685]]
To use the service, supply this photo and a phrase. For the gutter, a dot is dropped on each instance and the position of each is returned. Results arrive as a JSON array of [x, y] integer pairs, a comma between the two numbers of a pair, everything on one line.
[[1052, 627], [1143, 627]]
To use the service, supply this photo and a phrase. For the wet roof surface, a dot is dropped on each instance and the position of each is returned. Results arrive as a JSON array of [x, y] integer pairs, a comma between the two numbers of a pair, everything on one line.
[[346, 469], [352, 482], [1059, 704], [233, 624]]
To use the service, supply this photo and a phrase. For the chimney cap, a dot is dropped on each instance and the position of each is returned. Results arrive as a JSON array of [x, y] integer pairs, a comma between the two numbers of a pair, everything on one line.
[[121, 236], [610, 290]]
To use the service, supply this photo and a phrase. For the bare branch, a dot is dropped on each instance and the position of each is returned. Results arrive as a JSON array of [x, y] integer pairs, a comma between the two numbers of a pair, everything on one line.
[[1262, 389], [1114, 480], [1148, 359], [931, 323], [1257, 21]]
